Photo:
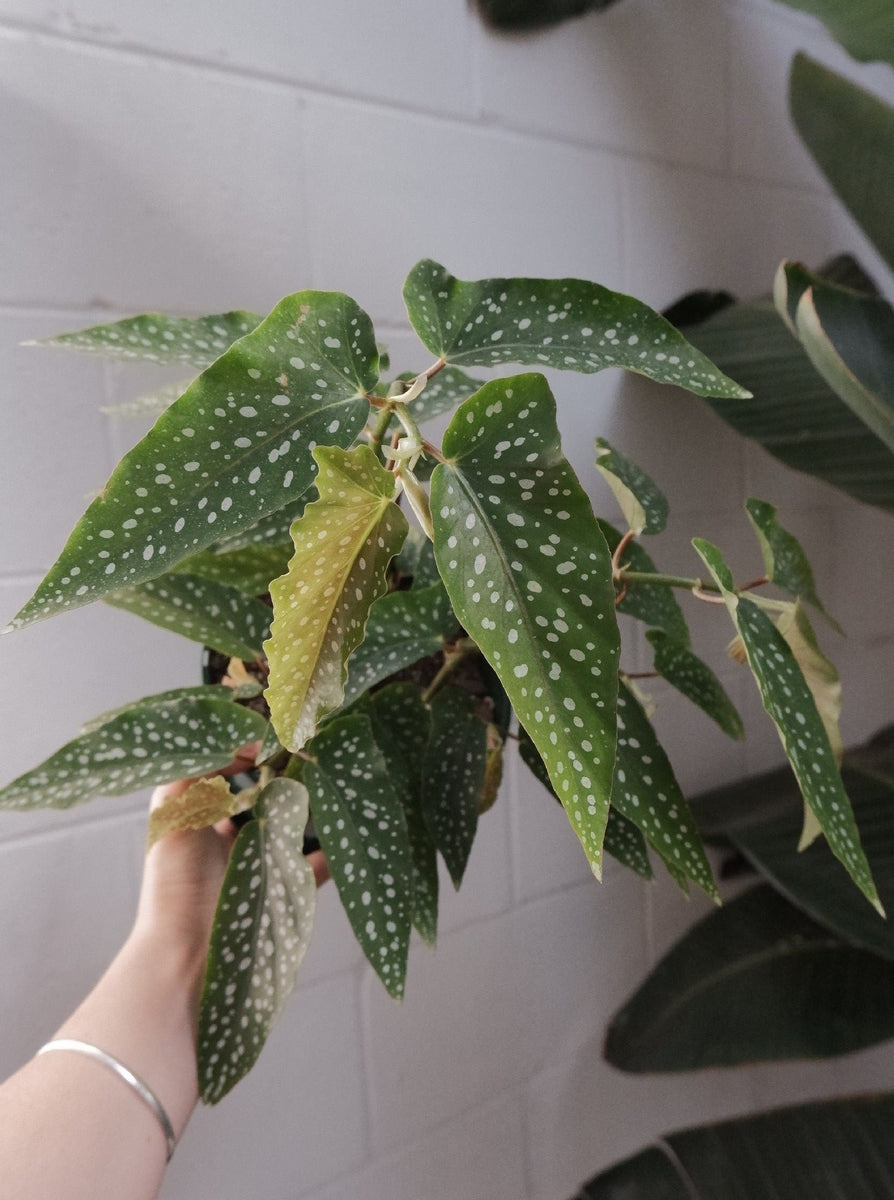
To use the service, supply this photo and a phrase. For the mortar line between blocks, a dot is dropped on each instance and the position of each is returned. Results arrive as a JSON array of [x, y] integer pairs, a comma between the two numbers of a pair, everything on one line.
[[363, 1021], [25, 840]]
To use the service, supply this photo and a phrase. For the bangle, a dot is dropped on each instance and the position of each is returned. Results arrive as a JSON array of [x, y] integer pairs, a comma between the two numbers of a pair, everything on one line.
[[142, 1089]]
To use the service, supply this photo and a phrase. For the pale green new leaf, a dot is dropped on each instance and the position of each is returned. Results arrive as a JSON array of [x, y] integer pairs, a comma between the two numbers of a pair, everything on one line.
[[363, 830], [261, 931], [529, 575], [696, 681], [653, 604], [159, 338], [235, 447], [789, 702], [250, 570], [566, 323], [343, 544], [213, 614], [171, 736], [785, 562], [644, 506]]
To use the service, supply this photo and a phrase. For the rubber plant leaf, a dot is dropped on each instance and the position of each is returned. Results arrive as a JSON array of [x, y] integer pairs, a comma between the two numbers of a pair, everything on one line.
[[644, 506], [155, 337], [789, 702], [694, 679], [785, 562], [650, 603], [171, 736], [529, 575], [261, 931], [363, 830], [343, 544], [235, 447], [566, 323]]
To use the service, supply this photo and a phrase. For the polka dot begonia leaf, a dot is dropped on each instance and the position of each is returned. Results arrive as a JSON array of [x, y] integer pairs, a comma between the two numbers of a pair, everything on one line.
[[644, 506], [646, 791], [402, 628], [235, 447], [154, 337], [789, 702], [272, 530], [363, 829], [402, 726], [696, 681], [441, 394], [416, 560], [652, 604], [203, 803], [566, 323], [261, 931], [250, 570], [530, 578], [785, 562], [171, 736], [213, 614], [343, 544], [453, 771]]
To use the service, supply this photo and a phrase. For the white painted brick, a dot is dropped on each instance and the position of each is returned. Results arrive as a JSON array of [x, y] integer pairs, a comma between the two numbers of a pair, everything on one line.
[[859, 593], [634, 79], [866, 672]]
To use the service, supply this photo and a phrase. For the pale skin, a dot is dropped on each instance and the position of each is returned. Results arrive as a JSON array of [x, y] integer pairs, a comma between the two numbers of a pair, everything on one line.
[[69, 1127]]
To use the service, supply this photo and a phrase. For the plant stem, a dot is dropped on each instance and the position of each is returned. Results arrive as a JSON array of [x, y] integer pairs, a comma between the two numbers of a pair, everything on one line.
[[380, 428], [678, 581], [453, 656]]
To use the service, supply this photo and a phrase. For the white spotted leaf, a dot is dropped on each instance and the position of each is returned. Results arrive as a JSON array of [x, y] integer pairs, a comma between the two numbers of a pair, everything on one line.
[[696, 681], [785, 562], [213, 614], [272, 530], [566, 323], [155, 337], [443, 393], [788, 700], [644, 506], [529, 574], [235, 447], [161, 738], [653, 604], [343, 544], [261, 931], [362, 828], [250, 569]]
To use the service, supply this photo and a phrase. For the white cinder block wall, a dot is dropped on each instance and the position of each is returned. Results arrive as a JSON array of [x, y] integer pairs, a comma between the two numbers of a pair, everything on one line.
[[194, 157]]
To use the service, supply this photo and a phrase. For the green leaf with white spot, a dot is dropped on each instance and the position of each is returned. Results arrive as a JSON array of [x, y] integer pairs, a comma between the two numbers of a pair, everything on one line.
[[160, 738], [155, 337], [272, 530], [402, 628], [402, 726], [644, 506], [788, 701], [696, 681], [530, 578], [250, 570], [453, 772], [213, 614], [566, 323], [646, 792], [442, 394], [653, 604], [416, 560], [235, 447], [363, 830], [785, 562], [343, 545], [261, 931], [271, 747]]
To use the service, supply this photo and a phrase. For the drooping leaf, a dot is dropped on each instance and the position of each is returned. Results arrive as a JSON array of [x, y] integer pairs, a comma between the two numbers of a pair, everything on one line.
[[155, 740], [755, 981], [694, 678], [343, 544], [789, 702], [785, 562], [204, 803], [235, 447], [155, 337], [819, 672], [529, 575], [213, 614], [566, 323], [453, 772], [653, 604], [644, 506], [261, 931], [850, 134], [363, 830], [251, 569]]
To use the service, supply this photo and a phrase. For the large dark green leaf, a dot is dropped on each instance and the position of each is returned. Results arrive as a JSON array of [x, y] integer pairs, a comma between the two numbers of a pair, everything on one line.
[[755, 981], [653, 604], [695, 680], [529, 575], [272, 530], [156, 337], [564, 323], [235, 447]]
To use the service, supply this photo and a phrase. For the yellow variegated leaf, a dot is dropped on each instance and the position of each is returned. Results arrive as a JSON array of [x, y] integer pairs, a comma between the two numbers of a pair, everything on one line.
[[493, 770], [204, 803], [343, 544]]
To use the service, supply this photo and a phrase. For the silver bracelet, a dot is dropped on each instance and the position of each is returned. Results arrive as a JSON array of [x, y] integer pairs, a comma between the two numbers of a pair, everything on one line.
[[142, 1090]]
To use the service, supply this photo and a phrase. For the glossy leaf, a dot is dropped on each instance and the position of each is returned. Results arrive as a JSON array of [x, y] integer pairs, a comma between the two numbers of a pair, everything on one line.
[[789, 702], [343, 544], [755, 981], [529, 575], [566, 323], [251, 569], [653, 604], [688, 674], [453, 772], [261, 931], [785, 562], [644, 506], [363, 830], [155, 337], [203, 803], [235, 447], [171, 736], [213, 614]]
